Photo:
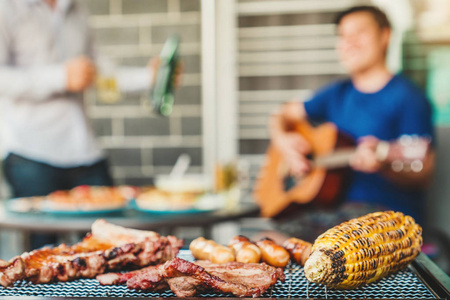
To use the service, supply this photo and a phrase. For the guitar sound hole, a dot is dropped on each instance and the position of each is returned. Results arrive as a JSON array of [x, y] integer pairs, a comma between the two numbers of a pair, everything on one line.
[[289, 182]]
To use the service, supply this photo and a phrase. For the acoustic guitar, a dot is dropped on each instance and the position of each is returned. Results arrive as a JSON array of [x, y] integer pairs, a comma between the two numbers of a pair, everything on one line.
[[278, 193]]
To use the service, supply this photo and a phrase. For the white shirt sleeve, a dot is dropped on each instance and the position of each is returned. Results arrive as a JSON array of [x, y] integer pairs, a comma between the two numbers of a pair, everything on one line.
[[36, 83], [134, 79], [129, 79]]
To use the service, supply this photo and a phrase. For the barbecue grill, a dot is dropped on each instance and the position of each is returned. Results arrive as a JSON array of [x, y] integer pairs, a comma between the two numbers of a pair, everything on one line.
[[421, 280]]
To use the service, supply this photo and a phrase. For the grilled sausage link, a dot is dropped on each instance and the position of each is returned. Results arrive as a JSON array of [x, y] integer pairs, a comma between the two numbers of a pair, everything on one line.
[[238, 239], [272, 253], [204, 249], [298, 249], [244, 250]]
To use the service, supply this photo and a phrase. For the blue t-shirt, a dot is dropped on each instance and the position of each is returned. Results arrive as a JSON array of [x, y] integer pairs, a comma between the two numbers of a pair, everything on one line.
[[398, 108]]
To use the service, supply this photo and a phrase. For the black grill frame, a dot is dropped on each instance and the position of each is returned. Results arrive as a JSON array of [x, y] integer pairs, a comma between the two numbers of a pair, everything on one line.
[[422, 280]]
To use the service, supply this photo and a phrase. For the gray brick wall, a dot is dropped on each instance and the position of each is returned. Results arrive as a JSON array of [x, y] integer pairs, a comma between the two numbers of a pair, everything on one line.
[[139, 144], [253, 148]]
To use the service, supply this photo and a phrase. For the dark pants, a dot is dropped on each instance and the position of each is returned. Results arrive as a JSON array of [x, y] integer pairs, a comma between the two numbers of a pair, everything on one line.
[[29, 178]]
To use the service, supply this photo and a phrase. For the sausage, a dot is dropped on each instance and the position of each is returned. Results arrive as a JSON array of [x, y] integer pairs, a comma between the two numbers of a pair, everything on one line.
[[222, 255], [200, 248], [249, 253], [298, 249], [204, 249], [244, 250], [238, 239], [273, 254]]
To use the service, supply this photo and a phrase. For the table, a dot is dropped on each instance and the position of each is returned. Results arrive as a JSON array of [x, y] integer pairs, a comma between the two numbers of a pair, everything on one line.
[[28, 223]]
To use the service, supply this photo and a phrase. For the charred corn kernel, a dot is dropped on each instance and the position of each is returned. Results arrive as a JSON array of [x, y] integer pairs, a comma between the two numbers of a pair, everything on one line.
[[364, 250]]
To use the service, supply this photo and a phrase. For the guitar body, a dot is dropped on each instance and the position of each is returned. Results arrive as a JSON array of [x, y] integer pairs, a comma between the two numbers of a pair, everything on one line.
[[321, 187]]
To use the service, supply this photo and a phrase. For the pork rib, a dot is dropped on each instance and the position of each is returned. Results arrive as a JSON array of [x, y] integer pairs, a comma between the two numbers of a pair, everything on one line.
[[107, 248], [187, 279]]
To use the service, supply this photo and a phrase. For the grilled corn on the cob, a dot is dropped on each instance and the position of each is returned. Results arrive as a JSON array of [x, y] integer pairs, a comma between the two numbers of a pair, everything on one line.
[[364, 250]]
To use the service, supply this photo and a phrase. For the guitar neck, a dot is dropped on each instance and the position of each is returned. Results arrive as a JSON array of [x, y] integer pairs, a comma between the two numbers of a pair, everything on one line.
[[337, 159], [341, 158]]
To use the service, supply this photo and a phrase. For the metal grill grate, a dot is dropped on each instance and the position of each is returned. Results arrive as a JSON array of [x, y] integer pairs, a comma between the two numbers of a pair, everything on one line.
[[404, 284]]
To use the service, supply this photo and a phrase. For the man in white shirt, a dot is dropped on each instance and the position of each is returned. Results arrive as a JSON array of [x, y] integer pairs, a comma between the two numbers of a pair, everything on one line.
[[46, 62]]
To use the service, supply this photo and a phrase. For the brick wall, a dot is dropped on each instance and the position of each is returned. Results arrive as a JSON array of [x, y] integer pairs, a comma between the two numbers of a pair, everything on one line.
[[281, 56], [138, 143]]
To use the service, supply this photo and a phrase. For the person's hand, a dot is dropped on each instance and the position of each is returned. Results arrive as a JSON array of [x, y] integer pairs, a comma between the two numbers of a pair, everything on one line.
[[294, 147], [365, 157], [178, 74], [80, 74], [154, 64]]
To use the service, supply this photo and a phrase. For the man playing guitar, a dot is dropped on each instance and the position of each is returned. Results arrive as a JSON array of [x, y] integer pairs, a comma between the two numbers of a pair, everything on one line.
[[372, 105]]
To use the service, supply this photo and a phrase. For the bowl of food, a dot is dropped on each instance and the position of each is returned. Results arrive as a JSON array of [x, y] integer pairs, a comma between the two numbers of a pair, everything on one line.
[[189, 183], [174, 193]]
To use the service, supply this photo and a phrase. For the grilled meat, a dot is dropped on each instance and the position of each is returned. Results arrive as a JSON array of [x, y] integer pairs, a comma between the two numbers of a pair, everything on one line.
[[108, 247], [298, 249], [187, 279], [11, 271], [252, 275]]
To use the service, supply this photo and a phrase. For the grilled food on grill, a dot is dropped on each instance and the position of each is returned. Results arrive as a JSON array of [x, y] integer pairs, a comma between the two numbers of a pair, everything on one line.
[[364, 250], [298, 249], [244, 250], [272, 253], [240, 249], [209, 250], [186, 279], [109, 247]]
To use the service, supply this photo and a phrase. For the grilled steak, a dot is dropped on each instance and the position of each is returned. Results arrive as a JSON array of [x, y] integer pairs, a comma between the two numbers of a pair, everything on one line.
[[107, 248], [187, 279]]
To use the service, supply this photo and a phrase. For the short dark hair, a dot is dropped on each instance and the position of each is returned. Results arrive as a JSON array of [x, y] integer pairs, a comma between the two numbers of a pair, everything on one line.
[[378, 15]]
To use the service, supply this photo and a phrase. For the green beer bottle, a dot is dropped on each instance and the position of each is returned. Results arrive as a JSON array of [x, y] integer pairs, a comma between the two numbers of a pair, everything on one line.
[[162, 93]]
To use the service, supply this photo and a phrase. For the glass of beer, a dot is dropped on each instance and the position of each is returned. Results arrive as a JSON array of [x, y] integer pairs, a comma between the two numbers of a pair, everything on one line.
[[107, 87]]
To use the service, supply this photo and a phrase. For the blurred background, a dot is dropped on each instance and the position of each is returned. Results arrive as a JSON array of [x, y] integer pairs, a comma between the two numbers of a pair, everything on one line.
[[243, 58]]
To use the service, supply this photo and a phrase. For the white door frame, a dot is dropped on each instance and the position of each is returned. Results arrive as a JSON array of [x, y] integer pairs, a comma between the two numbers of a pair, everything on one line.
[[219, 83]]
